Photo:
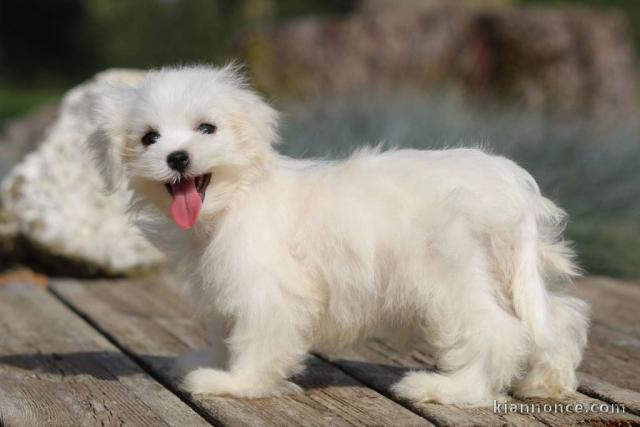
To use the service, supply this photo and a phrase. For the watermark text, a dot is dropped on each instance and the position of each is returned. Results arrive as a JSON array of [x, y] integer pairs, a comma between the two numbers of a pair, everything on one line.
[[505, 407]]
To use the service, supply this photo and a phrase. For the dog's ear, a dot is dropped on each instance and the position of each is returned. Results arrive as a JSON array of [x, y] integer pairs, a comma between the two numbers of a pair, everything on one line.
[[259, 121], [266, 121], [107, 143]]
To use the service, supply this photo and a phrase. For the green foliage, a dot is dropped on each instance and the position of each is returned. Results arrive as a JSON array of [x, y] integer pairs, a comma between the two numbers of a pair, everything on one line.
[[57, 44], [65, 40], [147, 33], [15, 101], [591, 173], [45, 41]]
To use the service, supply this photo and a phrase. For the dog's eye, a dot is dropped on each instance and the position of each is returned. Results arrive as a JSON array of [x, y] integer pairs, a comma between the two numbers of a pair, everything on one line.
[[150, 137], [206, 128]]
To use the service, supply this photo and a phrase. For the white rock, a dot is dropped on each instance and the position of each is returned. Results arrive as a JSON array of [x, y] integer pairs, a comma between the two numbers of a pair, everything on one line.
[[55, 198]]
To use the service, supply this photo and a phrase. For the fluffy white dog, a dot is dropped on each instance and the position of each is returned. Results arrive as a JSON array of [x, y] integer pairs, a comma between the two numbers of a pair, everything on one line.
[[285, 256]]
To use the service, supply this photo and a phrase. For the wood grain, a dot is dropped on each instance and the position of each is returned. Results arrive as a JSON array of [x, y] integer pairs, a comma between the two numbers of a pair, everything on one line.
[[380, 365], [614, 303], [148, 320], [610, 393], [56, 370], [613, 352]]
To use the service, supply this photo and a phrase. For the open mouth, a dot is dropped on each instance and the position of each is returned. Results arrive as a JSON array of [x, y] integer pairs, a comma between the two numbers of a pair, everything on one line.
[[200, 182], [187, 196]]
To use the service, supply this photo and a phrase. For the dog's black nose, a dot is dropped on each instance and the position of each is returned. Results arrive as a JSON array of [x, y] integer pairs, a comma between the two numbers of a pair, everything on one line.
[[178, 160]]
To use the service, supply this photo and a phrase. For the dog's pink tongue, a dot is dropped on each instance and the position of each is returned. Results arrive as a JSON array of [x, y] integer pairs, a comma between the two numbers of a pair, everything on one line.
[[186, 203]]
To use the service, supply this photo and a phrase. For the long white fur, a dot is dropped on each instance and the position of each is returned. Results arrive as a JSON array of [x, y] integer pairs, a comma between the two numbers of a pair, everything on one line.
[[289, 256]]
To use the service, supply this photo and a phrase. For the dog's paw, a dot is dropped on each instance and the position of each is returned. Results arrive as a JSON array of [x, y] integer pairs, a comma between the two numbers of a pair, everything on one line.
[[206, 381], [215, 382], [418, 387], [434, 387]]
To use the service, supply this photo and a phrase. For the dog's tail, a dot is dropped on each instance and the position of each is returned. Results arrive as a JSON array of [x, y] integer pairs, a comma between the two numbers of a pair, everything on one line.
[[543, 268]]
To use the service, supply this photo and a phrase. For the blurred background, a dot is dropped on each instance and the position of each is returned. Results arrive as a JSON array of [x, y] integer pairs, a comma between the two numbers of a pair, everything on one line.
[[552, 84]]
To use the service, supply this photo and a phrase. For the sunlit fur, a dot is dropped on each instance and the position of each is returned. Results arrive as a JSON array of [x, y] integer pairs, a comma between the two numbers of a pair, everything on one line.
[[455, 246]]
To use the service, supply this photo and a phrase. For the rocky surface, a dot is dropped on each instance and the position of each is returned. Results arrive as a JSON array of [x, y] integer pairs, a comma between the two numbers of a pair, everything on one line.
[[21, 136], [564, 61], [54, 212]]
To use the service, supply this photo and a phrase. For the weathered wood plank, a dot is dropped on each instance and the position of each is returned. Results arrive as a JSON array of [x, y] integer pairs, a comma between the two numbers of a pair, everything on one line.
[[56, 370], [176, 328], [610, 393], [380, 365], [148, 320], [613, 354], [614, 302]]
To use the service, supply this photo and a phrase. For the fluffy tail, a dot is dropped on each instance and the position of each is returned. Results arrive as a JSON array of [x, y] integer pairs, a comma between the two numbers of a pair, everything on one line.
[[544, 266], [556, 258]]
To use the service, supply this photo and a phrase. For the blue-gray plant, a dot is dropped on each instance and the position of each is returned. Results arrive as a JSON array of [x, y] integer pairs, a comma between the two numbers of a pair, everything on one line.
[[592, 172]]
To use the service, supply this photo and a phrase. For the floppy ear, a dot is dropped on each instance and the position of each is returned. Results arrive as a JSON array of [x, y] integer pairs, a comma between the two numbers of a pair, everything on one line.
[[261, 119], [107, 142]]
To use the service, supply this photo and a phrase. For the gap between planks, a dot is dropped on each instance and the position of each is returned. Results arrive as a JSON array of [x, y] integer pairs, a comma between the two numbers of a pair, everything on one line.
[[331, 396], [438, 414], [184, 397], [55, 369]]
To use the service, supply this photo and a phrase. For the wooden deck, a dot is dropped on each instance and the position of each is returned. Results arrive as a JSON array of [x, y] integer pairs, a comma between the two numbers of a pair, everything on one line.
[[100, 353]]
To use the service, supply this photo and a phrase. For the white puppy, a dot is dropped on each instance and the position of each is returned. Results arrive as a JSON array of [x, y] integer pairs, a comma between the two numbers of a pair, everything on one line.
[[286, 256]]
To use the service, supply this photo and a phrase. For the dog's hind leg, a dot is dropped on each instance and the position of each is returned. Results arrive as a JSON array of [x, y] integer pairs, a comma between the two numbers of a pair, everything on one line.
[[482, 347], [556, 322], [477, 367]]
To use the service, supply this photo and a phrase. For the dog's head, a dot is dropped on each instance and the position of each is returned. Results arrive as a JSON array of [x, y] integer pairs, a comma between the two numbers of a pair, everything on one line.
[[184, 138]]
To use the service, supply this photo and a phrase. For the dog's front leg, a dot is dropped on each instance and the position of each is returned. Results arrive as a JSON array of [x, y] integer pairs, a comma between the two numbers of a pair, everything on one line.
[[268, 343], [218, 334], [216, 356]]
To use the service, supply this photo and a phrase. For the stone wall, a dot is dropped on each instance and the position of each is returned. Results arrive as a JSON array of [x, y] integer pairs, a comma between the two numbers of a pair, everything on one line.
[[564, 61]]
